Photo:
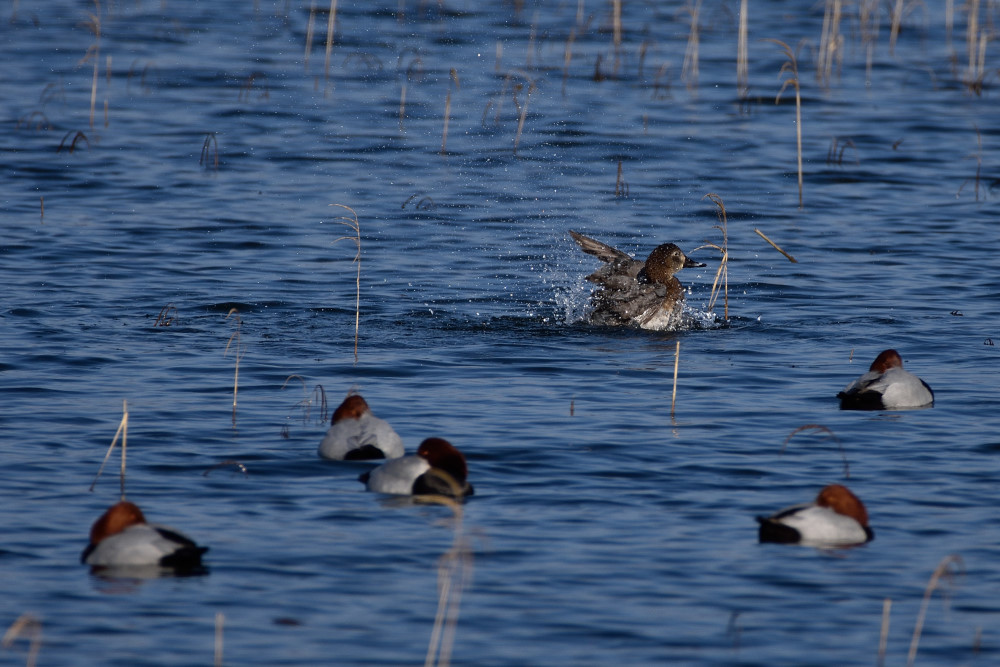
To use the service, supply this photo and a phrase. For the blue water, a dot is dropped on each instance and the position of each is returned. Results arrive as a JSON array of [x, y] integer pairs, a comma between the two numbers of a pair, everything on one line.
[[604, 530]]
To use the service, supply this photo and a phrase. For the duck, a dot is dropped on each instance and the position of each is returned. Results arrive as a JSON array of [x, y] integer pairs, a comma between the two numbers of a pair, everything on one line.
[[635, 292], [356, 434], [121, 537], [438, 468], [837, 518], [887, 386]]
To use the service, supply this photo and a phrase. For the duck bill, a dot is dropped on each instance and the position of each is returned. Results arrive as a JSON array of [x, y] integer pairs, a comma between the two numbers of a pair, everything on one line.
[[690, 263]]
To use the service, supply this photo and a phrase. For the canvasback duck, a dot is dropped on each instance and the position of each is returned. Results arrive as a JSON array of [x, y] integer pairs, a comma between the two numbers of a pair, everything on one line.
[[356, 434], [836, 519], [431, 470], [122, 538], [886, 386], [644, 294]]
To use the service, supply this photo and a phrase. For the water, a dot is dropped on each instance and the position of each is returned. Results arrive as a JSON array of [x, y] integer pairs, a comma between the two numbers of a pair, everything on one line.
[[603, 531]]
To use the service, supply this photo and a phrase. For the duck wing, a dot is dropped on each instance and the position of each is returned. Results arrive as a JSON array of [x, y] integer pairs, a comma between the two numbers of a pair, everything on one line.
[[618, 307], [620, 269]]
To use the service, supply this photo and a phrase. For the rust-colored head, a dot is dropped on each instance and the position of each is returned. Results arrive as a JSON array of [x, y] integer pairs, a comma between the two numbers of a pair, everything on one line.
[[886, 360], [352, 408], [442, 455], [840, 499], [117, 518], [666, 260]]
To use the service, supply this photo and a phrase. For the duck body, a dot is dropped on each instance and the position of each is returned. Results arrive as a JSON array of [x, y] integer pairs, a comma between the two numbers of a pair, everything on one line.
[[886, 386], [122, 538], [634, 292], [836, 518], [437, 468], [355, 434]]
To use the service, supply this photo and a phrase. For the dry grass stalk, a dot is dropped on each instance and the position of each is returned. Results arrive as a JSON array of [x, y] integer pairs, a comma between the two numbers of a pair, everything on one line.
[[975, 41], [523, 108], [238, 354], [35, 120], [107, 86], [948, 569], [829, 433], [616, 11], [531, 42], [310, 29], [26, 624], [210, 150], [414, 69], [316, 397], [167, 316], [689, 69], [424, 203], [831, 43], [93, 23], [567, 58], [248, 85], [868, 19], [883, 637], [742, 57], [220, 620], [621, 187], [677, 363], [661, 89], [949, 20], [331, 21], [453, 77], [123, 432], [355, 226], [775, 246], [76, 137], [978, 157], [721, 282], [454, 571], [41, 218], [896, 22], [835, 154], [791, 67]]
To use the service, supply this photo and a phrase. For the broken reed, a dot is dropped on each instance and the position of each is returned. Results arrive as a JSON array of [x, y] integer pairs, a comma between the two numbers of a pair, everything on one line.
[[167, 316], [976, 40], [26, 624], [673, 394], [791, 67], [453, 78], [355, 226], [831, 43], [413, 69], [523, 108], [721, 282], [235, 337], [742, 57], [331, 22], [317, 397], [829, 434], [123, 432], [220, 620], [621, 186], [210, 152], [775, 246], [944, 571], [93, 23], [689, 68]]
